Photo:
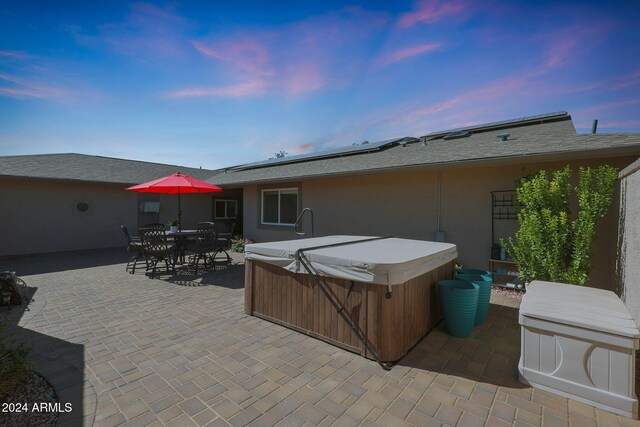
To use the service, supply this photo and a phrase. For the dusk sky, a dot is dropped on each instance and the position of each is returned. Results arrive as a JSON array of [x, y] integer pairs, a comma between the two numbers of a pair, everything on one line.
[[216, 84]]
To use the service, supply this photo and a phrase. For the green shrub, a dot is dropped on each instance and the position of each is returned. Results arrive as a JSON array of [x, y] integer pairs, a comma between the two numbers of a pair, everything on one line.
[[551, 244], [238, 243]]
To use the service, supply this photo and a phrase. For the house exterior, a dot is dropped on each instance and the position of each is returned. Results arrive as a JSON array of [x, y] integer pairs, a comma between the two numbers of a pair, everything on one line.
[[438, 187], [61, 202]]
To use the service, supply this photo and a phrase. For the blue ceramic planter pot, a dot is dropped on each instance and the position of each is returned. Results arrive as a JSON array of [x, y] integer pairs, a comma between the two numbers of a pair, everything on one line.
[[473, 271], [484, 283], [459, 305]]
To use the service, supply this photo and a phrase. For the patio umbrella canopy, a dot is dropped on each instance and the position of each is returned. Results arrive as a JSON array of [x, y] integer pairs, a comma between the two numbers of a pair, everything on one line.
[[176, 183]]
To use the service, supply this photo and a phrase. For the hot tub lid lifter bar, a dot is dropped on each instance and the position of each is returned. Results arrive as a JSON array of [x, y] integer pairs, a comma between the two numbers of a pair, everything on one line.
[[318, 281], [332, 245]]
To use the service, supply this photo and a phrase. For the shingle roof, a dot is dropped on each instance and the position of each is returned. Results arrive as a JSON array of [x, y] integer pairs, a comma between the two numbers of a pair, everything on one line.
[[553, 136], [81, 167], [557, 138]]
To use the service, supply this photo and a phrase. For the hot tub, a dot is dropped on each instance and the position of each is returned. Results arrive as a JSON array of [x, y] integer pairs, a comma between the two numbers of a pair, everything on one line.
[[386, 288]]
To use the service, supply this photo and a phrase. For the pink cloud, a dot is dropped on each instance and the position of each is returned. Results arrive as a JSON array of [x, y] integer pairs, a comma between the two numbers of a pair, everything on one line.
[[408, 52], [294, 60], [603, 108], [302, 78], [27, 76], [244, 54], [239, 90], [611, 84], [539, 86], [149, 32], [429, 11], [26, 88], [19, 93], [12, 54], [304, 148], [247, 62], [562, 49], [565, 45], [504, 87], [628, 80], [628, 124]]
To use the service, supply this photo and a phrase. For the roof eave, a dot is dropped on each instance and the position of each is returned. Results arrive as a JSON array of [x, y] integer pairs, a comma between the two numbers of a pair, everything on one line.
[[67, 180], [526, 158]]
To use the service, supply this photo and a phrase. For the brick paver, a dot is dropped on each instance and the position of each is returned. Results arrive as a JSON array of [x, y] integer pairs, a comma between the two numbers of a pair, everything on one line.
[[180, 351]]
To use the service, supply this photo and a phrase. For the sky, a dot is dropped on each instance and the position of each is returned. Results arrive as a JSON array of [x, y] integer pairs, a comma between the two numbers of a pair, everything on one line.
[[217, 83]]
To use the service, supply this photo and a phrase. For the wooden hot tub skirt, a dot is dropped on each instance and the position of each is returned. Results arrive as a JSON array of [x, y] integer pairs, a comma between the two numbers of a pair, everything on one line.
[[392, 326]]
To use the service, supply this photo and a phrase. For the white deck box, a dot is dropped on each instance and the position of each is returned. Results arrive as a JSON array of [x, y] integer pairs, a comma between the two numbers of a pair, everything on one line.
[[580, 343]]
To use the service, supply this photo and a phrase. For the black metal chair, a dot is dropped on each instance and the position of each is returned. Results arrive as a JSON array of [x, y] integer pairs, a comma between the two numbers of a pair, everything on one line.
[[156, 247], [158, 226], [203, 245], [155, 225], [134, 245], [225, 234]]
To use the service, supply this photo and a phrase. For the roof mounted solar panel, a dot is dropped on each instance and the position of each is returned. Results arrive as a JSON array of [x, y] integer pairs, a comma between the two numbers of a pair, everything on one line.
[[457, 134], [335, 152], [548, 117]]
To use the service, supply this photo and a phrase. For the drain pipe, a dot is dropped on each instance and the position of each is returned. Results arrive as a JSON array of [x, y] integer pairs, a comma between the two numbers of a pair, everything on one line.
[[439, 233]]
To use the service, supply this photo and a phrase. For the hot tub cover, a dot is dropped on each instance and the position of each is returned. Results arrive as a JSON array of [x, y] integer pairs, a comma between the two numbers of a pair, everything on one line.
[[388, 261]]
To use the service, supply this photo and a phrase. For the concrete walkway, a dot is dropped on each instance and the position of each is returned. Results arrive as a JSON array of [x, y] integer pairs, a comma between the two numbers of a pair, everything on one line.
[[181, 352]]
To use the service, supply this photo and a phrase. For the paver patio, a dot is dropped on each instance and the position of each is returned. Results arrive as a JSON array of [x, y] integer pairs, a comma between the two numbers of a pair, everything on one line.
[[127, 350]]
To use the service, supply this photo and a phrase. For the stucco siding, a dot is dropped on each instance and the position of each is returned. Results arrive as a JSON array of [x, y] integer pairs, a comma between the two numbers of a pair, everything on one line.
[[404, 204], [387, 204], [466, 215], [195, 208], [629, 256], [41, 216]]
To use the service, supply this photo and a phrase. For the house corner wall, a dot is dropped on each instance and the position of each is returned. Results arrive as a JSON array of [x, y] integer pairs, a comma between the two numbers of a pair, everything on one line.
[[628, 265], [42, 216]]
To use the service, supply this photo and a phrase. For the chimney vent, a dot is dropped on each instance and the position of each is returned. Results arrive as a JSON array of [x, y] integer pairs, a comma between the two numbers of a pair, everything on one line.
[[503, 136], [594, 126]]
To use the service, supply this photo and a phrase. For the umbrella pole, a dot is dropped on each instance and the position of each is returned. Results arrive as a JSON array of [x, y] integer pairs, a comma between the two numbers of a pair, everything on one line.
[[179, 212]]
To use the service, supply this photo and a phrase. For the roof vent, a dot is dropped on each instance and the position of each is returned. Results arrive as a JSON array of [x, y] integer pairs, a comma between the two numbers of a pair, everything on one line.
[[424, 142], [457, 134], [503, 136]]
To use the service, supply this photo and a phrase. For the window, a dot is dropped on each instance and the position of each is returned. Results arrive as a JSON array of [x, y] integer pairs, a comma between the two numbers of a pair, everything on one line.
[[225, 209], [280, 206]]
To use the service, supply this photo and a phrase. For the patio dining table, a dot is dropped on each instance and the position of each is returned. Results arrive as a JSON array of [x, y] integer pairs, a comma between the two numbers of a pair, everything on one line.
[[182, 236], [181, 239]]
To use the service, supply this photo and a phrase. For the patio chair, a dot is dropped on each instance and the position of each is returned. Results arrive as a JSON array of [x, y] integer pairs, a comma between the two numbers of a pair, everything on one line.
[[203, 245], [158, 226], [156, 247], [155, 225], [133, 245], [225, 234]]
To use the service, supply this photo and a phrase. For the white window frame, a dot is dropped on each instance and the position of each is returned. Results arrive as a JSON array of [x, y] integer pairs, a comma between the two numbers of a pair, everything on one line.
[[226, 203], [279, 190]]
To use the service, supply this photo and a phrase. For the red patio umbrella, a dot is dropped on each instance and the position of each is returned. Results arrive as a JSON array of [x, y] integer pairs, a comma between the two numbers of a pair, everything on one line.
[[176, 183]]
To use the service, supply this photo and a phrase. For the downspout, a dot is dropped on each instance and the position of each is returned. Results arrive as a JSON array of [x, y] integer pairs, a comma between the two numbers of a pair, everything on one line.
[[439, 232], [439, 202]]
